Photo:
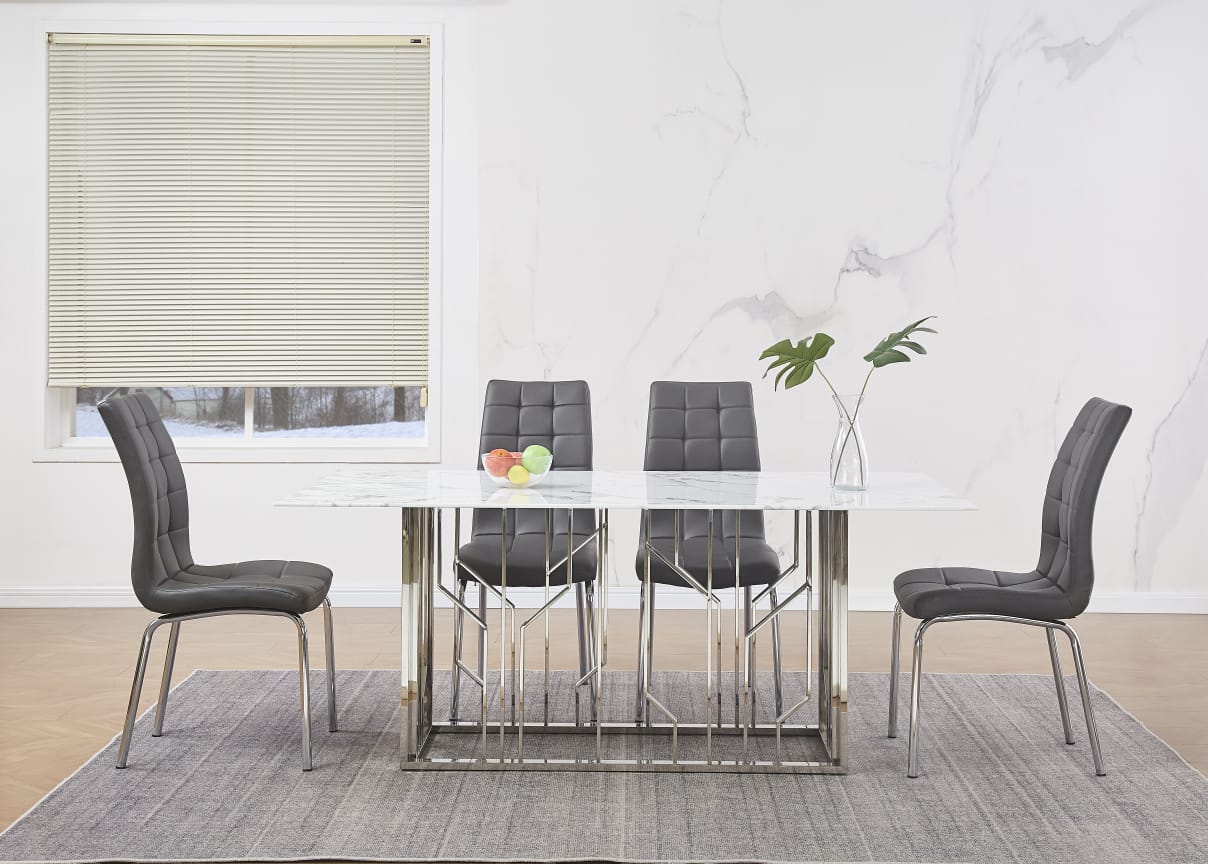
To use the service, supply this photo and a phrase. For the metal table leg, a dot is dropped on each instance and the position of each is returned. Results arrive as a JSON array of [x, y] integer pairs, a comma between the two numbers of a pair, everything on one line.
[[416, 637], [406, 640], [503, 628], [832, 667]]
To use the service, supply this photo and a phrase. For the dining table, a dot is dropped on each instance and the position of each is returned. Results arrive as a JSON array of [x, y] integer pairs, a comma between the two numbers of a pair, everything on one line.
[[426, 495]]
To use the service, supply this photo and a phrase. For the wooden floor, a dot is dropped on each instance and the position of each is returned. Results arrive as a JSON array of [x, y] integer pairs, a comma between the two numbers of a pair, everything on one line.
[[65, 674]]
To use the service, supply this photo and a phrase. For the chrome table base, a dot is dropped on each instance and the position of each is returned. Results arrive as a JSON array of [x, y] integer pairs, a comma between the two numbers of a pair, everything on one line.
[[501, 741]]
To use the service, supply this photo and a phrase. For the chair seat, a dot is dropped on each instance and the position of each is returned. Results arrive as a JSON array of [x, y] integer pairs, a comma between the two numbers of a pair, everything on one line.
[[933, 591], [279, 586], [526, 559], [759, 564]]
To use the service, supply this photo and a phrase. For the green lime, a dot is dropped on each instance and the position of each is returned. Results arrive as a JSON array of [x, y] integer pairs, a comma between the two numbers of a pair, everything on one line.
[[536, 459]]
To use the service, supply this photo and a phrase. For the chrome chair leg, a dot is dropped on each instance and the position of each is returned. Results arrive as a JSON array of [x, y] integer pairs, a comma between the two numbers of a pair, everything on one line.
[[648, 652], [1059, 679], [640, 703], [458, 641], [777, 684], [589, 593], [916, 682], [650, 633], [165, 683], [136, 689], [330, 647], [809, 638], [581, 627], [748, 618], [304, 688], [717, 638], [140, 671], [916, 689], [895, 669], [482, 634], [1092, 731]]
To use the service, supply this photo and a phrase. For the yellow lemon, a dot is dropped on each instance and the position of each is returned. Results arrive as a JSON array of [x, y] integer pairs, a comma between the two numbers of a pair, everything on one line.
[[518, 474]]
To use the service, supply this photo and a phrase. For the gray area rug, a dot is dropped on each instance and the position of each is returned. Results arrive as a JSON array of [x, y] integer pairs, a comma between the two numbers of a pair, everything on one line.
[[998, 785]]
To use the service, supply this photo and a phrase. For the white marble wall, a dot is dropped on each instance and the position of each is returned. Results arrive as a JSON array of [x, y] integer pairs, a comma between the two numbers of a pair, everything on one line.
[[668, 187]]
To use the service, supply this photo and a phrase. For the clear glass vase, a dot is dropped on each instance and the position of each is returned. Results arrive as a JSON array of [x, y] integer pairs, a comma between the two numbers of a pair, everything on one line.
[[849, 458]]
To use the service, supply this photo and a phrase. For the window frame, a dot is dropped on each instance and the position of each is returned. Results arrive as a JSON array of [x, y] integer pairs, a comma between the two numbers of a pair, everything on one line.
[[59, 443]]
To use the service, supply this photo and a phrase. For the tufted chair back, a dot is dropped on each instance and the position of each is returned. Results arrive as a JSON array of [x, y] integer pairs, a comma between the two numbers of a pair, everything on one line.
[[699, 426], [1069, 501], [555, 414], [157, 491]]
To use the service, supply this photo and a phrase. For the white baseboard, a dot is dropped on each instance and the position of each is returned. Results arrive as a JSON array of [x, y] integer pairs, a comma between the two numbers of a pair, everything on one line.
[[619, 597]]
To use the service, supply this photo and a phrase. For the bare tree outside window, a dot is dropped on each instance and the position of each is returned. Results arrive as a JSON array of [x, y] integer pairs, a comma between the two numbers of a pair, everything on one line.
[[188, 412], [278, 412], [339, 412]]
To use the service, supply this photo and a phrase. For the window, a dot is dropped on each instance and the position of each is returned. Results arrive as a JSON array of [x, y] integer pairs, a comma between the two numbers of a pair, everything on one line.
[[240, 227], [310, 413]]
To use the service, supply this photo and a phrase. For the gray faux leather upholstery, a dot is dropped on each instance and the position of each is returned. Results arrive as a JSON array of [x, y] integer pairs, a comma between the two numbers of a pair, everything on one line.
[[165, 577], [699, 426], [515, 414], [1060, 586]]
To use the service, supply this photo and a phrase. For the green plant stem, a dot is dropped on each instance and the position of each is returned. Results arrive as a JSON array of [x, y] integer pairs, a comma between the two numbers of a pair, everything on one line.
[[851, 428], [865, 387], [851, 419], [818, 366]]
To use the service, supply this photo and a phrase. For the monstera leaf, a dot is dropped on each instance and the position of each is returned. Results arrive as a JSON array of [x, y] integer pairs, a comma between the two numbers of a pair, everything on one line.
[[796, 362], [889, 350]]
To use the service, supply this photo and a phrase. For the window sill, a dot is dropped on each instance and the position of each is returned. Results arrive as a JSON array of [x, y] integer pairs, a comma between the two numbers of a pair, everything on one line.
[[332, 452]]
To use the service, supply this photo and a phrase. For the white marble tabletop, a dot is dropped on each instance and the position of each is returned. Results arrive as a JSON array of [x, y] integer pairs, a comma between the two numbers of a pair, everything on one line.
[[422, 486]]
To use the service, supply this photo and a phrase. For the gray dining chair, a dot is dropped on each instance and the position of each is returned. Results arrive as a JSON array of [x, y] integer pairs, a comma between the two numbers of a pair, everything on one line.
[[705, 426], [1058, 589], [516, 414], [169, 582]]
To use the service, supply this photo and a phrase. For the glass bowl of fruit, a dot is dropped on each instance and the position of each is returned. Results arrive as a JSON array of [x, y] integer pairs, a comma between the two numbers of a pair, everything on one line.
[[518, 470]]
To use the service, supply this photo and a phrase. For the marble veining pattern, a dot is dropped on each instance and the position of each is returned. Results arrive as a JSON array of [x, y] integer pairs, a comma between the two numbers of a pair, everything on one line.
[[414, 486], [669, 186]]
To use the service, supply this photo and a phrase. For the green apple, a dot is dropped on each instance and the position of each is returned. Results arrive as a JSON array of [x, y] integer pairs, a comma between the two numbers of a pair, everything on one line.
[[536, 459]]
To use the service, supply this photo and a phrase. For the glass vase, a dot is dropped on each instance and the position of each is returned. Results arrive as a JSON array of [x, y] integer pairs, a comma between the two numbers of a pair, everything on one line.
[[849, 458]]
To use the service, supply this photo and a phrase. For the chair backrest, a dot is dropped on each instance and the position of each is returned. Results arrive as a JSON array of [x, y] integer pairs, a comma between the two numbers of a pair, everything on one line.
[[555, 414], [1069, 502], [702, 426], [699, 426], [157, 491]]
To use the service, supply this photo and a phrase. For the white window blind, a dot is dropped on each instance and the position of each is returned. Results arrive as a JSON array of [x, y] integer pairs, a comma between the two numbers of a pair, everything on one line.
[[238, 211]]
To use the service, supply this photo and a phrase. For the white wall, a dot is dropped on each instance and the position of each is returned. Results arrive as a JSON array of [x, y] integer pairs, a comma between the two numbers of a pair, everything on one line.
[[65, 528], [638, 190], [667, 188]]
